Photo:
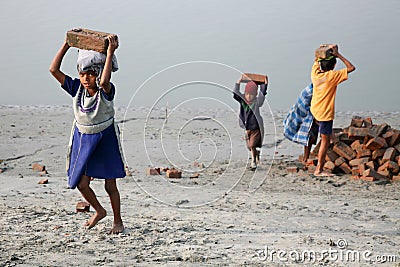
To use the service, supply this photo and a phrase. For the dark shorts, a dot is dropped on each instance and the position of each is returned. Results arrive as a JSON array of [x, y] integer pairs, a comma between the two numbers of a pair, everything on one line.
[[253, 138], [326, 127]]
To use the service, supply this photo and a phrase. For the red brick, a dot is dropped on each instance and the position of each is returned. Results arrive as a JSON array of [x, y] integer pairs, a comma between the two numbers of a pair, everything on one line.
[[38, 167], [396, 178], [331, 155], [345, 168], [389, 155], [364, 153], [88, 39], [355, 162], [378, 130], [356, 146], [374, 174], [370, 165], [392, 166], [43, 181], [82, 206], [388, 136], [378, 153], [339, 161], [385, 173], [358, 132], [329, 165], [397, 146], [153, 171], [357, 121], [174, 174], [355, 171], [195, 175], [367, 122], [292, 169], [376, 143], [257, 78], [344, 150], [368, 178], [395, 138], [362, 168]]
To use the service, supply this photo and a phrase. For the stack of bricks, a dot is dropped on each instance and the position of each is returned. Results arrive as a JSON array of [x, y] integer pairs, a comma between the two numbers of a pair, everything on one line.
[[365, 150]]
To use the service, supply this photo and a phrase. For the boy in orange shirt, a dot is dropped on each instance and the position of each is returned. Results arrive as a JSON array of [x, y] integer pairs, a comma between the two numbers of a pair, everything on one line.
[[325, 80]]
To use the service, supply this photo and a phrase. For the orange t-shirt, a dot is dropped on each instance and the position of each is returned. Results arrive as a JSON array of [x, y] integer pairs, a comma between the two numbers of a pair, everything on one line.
[[324, 91]]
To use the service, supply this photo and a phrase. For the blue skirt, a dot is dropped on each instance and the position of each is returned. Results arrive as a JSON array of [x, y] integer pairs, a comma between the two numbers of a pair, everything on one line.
[[95, 155]]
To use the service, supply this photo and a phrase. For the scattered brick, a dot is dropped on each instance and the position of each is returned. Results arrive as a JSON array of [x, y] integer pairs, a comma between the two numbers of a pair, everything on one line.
[[38, 167], [82, 206], [153, 171], [174, 174], [43, 181], [292, 169], [195, 175], [396, 178]]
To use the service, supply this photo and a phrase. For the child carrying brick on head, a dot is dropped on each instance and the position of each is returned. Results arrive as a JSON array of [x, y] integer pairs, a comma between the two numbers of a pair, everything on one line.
[[325, 81], [299, 125], [249, 116], [94, 150]]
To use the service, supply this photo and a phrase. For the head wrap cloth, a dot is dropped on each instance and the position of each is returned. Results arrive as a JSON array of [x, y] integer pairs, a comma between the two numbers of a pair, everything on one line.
[[89, 60]]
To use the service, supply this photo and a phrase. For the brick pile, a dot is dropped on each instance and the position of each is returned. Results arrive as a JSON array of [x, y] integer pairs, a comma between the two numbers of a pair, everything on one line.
[[365, 150]]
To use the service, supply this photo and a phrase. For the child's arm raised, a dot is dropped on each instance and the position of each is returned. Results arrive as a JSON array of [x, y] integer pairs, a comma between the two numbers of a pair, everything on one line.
[[106, 75], [56, 63], [350, 67]]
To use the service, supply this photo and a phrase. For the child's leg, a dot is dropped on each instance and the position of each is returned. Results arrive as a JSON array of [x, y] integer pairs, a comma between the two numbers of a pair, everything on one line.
[[307, 150], [89, 195], [325, 141], [112, 191], [254, 154]]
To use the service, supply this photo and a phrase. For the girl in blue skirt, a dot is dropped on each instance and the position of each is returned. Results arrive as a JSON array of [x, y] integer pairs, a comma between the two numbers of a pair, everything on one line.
[[94, 148]]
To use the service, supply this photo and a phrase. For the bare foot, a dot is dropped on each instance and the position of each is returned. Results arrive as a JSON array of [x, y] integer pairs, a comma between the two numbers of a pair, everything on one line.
[[323, 174], [117, 228], [95, 218]]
